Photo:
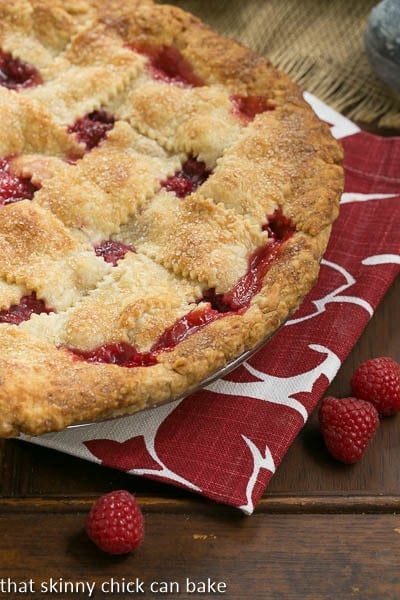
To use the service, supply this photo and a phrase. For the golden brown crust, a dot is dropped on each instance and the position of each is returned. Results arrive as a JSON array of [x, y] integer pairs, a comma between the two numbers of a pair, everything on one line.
[[283, 160]]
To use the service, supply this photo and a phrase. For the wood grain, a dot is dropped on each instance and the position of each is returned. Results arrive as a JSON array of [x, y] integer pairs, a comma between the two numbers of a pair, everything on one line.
[[264, 556]]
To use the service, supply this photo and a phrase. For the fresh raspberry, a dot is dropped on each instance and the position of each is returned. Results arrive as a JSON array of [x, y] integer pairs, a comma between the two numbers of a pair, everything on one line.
[[378, 381], [347, 426], [115, 523]]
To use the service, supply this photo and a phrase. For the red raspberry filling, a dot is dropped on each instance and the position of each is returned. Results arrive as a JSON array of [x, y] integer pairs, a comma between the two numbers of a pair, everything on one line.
[[186, 181], [279, 229], [239, 296], [167, 64], [28, 305], [112, 251], [13, 187], [247, 107], [121, 354], [183, 327], [126, 355], [16, 74], [237, 300], [92, 128]]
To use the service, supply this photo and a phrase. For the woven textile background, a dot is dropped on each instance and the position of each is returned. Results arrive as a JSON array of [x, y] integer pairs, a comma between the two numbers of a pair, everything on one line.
[[319, 43]]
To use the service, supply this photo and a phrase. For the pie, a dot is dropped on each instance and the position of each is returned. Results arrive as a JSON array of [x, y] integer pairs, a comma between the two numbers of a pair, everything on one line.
[[166, 196]]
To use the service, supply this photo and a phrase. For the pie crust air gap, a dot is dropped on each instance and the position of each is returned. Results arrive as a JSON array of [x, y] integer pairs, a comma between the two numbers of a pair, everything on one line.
[[166, 197]]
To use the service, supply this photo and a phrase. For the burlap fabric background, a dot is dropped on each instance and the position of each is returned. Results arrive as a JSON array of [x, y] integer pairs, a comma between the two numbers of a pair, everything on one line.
[[319, 43]]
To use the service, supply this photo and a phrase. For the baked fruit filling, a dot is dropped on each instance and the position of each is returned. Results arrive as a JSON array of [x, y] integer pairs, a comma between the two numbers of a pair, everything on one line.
[[193, 174], [16, 74], [166, 198], [247, 107], [211, 307], [122, 354], [280, 229], [27, 306], [112, 251], [126, 355], [91, 129], [13, 187], [166, 64]]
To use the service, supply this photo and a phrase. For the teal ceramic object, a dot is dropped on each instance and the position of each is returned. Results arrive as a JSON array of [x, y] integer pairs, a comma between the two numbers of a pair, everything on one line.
[[382, 41]]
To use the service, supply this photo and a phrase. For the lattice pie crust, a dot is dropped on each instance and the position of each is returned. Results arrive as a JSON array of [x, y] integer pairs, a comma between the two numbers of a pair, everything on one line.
[[166, 196]]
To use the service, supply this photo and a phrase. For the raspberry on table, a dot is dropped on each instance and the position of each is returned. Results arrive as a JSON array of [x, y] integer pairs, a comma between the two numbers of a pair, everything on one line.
[[115, 523], [347, 426], [378, 381]]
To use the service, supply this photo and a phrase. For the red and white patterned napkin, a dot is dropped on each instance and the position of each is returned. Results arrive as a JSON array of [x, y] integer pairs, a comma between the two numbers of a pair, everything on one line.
[[226, 441]]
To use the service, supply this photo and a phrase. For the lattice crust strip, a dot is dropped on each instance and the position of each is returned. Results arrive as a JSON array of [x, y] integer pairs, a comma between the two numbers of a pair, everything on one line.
[[262, 149], [196, 238], [134, 303], [74, 83], [10, 293], [97, 194], [37, 251], [200, 120], [27, 126]]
